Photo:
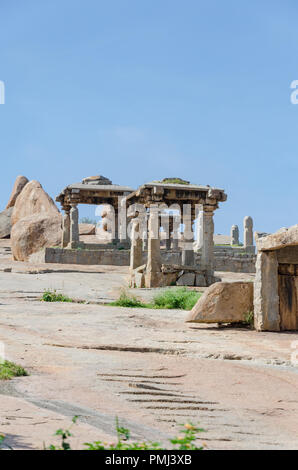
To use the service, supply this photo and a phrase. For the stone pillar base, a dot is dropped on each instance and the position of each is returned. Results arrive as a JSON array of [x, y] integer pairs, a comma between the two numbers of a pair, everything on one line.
[[188, 258], [153, 280], [75, 245]]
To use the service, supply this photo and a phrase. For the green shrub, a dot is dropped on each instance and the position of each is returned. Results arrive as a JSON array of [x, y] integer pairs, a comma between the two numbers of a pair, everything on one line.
[[185, 441], [52, 296], [8, 370], [180, 298]]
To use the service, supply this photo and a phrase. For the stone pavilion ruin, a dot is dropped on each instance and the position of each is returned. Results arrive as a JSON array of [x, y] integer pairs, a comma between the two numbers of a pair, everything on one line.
[[95, 190], [153, 200]]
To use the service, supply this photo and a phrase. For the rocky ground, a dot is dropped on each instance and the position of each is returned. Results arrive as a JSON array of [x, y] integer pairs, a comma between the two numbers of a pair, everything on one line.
[[148, 367]]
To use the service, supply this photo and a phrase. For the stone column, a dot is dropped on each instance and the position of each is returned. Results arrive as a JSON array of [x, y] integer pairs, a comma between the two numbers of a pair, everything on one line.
[[136, 257], [175, 232], [153, 270], [66, 228], [169, 240], [266, 299], [248, 232], [168, 231], [122, 220], [145, 240], [234, 235], [207, 256], [116, 227], [74, 227], [188, 258], [199, 231]]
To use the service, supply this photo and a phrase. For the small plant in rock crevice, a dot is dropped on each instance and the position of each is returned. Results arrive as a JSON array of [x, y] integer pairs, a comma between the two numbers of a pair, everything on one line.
[[9, 370], [249, 319]]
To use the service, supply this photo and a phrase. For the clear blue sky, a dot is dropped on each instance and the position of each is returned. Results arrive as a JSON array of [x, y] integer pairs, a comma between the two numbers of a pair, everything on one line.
[[138, 90]]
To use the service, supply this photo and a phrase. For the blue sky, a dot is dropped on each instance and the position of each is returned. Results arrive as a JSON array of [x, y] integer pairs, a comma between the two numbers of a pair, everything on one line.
[[141, 90]]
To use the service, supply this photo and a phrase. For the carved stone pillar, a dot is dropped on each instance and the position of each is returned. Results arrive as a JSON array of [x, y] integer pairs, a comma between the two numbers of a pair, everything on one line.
[[207, 256], [116, 228], [153, 270], [74, 226], [199, 231], [248, 232], [136, 257], [235, 235], [188, 258], [122, 220], [66, 227]]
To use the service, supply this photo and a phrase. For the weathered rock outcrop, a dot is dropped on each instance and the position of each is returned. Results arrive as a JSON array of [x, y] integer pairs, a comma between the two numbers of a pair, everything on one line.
[[33, 200], [223, 302], [34, 232], [5, 223], [18, 187], [87, 229]]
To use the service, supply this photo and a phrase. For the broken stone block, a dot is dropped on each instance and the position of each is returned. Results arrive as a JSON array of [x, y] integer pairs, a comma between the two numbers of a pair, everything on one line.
[[139, 280], [200, 280], [187, 279], [223, 302]]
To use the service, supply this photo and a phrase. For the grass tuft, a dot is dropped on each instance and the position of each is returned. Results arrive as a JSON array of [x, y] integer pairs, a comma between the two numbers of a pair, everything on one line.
[[52, 296], [9, 370], [249, 319], [180, 298], [128, 301]]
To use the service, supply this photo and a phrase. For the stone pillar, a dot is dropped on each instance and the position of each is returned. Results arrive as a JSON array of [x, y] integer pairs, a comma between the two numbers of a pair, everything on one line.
[[248, 232], [153, 270], [136, 257], [122, 220], [74, 226], [116, 227], [175, 232], [266, 299], [145, 240], [188, 258], [234, 235], [66, 228], [199, 231], [207, 256]]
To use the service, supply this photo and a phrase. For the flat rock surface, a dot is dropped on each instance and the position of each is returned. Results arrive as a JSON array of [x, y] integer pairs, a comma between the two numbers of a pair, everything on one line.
[[145, 366]]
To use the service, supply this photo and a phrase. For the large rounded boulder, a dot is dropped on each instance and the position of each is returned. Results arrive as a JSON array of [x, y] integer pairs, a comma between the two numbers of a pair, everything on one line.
[[35, 232], [33, 200]]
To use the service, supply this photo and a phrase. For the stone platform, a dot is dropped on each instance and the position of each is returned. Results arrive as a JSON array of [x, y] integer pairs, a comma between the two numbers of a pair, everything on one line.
[[225, 258]]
